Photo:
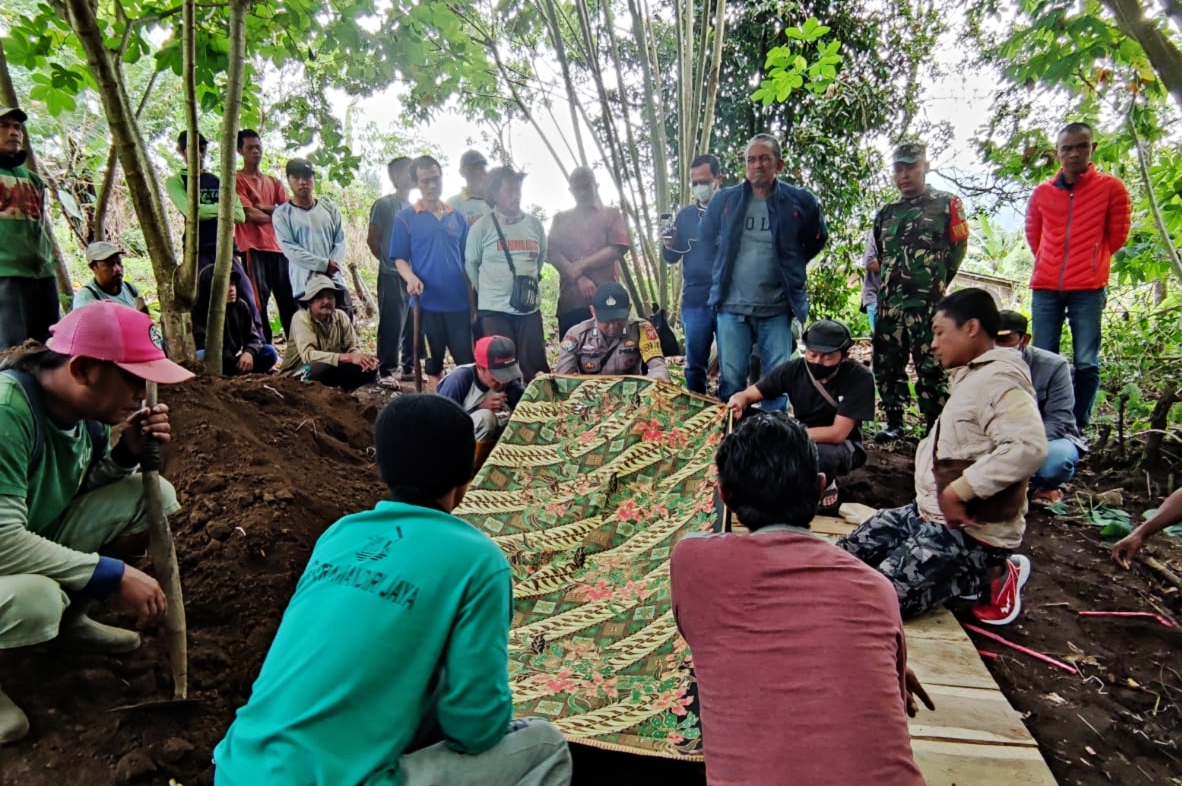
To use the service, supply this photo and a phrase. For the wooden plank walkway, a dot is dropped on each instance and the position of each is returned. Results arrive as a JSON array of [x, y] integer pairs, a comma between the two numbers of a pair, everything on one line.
[[974, 737]]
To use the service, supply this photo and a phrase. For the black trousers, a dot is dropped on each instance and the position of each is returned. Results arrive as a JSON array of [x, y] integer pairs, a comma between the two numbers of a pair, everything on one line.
[[269, 271], [28, 307], [568, 319], [346, 376], [838, 460], [392, 322], [526, 332], [447, 331]]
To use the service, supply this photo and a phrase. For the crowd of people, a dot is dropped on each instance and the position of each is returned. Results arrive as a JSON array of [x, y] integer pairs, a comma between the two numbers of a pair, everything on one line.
[[1003, 422]]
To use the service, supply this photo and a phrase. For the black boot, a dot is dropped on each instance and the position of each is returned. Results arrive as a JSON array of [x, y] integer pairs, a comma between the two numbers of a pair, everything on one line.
[[894, 429]]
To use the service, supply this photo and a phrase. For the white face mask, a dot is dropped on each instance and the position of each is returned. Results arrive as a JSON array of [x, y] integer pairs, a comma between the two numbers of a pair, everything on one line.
[[703, 191]]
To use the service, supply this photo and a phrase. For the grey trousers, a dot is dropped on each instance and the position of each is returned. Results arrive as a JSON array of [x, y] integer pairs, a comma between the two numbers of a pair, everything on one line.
[[532, 753]]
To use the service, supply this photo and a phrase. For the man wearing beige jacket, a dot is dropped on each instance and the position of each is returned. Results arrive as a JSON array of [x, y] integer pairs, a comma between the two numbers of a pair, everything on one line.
[[958, 537]]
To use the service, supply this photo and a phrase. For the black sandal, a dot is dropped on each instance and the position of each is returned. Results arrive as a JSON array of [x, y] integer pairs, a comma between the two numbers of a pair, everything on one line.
[[830, 500]]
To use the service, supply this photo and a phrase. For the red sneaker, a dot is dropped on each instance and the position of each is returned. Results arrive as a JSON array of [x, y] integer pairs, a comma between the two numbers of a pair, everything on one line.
[[1004, 603]]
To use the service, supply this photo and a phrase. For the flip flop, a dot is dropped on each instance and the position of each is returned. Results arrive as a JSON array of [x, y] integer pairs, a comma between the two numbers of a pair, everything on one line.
[[830, 500]]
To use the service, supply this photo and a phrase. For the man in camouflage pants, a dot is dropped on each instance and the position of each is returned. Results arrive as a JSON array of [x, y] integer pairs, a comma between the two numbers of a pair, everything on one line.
[[920, 241]]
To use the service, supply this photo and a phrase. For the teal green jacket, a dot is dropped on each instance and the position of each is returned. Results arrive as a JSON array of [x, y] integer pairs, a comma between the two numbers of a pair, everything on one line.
[[400, 619]]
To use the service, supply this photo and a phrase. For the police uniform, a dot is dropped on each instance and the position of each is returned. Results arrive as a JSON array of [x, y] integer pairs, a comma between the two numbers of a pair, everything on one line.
[[920, 243], [585, 350]]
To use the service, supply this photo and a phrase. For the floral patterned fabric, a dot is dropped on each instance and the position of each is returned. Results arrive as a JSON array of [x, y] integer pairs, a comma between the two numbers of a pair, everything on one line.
[[593, 482]]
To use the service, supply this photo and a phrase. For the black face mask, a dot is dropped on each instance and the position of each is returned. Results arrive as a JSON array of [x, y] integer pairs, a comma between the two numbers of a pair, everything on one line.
[[821, 371], [13, 160]]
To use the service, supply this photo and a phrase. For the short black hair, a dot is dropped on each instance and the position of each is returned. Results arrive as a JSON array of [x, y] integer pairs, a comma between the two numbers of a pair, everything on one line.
[[767, 471], [182, 140], [422, 162], [33, 356], [245, 134], [708, 158], [397, 164], [445, 446], [1077, 127], [771, 140], [972, 303]]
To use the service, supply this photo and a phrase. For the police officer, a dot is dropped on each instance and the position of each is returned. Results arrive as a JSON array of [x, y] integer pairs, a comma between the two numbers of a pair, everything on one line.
[[920, 240], [610, 342]]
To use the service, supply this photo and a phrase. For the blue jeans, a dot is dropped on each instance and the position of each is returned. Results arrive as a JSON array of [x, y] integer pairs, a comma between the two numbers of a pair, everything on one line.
[[1059, 467], [1083, 310], [871, 313], [698, 323], [736, 334]]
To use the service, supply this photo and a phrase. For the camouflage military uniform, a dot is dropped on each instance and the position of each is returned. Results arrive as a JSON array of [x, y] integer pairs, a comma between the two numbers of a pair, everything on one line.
[[585, 350], [920, 244], [927, 562]]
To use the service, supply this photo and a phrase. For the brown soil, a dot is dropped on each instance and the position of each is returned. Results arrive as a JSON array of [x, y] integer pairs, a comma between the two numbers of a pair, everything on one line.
[[264, 468]]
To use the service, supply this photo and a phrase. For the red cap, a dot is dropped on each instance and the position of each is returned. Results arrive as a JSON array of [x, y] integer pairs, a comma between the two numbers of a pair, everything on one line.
[[110, 331], [498, 355]]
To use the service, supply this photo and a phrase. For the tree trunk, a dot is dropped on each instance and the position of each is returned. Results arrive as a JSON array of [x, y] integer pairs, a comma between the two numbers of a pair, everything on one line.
[[193, 162], [65, 287], [1159, 222], [228, 196], [138, 171], [1159, 423], [1136, 21], [98, 229]]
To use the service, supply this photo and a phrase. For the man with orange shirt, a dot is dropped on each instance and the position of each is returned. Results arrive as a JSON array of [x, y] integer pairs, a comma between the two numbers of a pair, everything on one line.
[[265, 263]]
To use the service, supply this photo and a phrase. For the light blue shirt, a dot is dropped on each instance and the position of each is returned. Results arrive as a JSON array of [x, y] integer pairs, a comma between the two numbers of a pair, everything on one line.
[[310, 239]]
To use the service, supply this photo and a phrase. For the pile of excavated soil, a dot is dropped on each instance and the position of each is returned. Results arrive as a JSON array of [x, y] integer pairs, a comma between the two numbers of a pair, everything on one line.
[[264, 466]]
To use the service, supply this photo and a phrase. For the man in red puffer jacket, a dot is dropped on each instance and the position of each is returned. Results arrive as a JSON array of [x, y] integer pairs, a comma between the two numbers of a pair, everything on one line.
[[1075, 222]]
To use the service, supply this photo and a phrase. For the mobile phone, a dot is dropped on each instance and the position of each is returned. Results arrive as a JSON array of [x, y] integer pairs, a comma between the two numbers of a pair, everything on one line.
[[665, 220]]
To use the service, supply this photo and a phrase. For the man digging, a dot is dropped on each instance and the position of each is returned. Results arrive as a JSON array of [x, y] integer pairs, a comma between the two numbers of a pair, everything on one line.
[[64, 496]]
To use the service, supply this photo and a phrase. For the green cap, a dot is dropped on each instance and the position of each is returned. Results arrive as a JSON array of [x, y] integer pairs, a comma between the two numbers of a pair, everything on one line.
[[909, 153], [15, 111]]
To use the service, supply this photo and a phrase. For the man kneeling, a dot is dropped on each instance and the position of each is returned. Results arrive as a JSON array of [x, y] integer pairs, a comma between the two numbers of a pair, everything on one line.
[[64, 496], [323, 346], [830, 394], [798, 647], [487, 387], [390, 667], [971, 474]]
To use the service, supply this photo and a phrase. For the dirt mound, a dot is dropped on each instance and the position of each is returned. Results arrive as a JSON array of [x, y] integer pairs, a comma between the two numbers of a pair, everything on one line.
[[262, 469]]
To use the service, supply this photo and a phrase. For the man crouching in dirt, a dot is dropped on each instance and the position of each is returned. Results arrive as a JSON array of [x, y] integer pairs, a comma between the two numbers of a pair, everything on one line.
[[390, 667], [65, 495], [971, 474]]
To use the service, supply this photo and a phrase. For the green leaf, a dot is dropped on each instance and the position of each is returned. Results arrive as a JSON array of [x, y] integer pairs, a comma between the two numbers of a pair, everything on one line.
[[800, 63], [1115, 530]]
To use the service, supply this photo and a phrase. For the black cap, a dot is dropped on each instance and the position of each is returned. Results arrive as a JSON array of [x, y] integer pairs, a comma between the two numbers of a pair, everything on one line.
[[1011, 322], [611, 302], [300, 167], [827, 335], [14, 112]]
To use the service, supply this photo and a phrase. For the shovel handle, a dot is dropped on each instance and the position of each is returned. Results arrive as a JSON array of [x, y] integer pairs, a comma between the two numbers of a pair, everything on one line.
[[150, 448]]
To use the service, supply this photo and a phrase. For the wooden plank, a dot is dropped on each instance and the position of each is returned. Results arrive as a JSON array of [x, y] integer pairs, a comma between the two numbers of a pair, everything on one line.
[[830, 527], [973, 764], [939, 661], [856, 512], [970, 715]]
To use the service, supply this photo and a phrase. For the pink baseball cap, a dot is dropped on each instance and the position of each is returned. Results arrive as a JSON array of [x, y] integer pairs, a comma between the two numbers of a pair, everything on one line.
[[110, 331]]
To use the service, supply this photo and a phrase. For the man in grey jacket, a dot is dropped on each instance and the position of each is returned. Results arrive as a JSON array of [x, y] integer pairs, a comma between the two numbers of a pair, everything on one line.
[[1051, 375]]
